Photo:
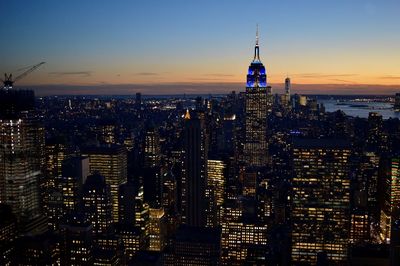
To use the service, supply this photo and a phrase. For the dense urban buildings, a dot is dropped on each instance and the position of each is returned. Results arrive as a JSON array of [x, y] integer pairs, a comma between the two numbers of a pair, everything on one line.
[[248, 178]]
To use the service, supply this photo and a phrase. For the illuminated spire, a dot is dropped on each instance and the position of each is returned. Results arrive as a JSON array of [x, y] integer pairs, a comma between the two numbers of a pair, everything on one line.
[[257, 35], [257, 48], [187, 115]]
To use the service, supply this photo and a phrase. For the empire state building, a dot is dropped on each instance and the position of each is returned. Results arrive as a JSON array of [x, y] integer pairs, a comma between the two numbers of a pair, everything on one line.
[[258, 96]]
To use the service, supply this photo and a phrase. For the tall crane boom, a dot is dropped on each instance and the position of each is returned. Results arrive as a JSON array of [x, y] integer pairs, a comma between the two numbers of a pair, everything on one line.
[[9, 81]]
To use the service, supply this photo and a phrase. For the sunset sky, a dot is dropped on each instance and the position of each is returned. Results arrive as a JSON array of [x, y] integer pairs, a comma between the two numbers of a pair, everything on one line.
[[161, 47]]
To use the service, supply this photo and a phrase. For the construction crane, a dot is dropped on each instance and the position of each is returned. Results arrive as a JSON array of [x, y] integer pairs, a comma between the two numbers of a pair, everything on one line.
[[9, 81]]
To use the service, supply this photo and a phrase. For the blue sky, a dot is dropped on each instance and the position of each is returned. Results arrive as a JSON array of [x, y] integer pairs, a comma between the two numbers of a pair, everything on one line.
[[158, 42]]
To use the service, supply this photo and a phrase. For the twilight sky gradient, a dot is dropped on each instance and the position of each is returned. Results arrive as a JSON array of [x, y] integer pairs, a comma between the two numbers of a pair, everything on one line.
[[176, 46]]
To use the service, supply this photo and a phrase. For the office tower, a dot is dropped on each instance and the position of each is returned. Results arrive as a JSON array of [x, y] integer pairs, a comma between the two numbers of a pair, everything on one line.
[[111, 162], [241, 234], [257, 106], [74, 172], [42, 249], [152, 184], [157, 229], [142, 216], [152, 150], [376, 138], [169, 202], [131, 239], [108, 250], [64, 198], [360, 226], [126, 197], [194, 178], [134, 216], [195, 246], [391, 200], [97, 203], [248, 180], [285, 98], [169, 192], [216, 180], [107, 132], [77, 241], [8, 233], [287, 86], [55, 154], [321, 200], [145, 257], [21, 154]]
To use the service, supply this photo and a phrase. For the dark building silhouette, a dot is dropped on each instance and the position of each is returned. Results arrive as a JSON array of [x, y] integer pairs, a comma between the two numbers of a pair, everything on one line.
[[77, 241], [195, 246], [194, 178]]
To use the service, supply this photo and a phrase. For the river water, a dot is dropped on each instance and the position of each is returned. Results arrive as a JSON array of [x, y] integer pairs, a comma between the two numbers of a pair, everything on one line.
[[361, 109]]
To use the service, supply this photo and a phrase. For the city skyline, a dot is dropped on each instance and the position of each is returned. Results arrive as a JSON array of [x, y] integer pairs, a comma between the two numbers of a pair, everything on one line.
[[198, 48]]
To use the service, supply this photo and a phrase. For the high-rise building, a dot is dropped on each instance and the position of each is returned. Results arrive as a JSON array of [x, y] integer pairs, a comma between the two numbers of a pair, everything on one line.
[[321, 200], [391, 200], [77, 241], [195, 246], [152, 151], [157, 227], [285, 98], [43, 249], [258, 96], [65, 197], [216, 180], [74, 172], [111, 162], [126, 197], [21, 154], [194, 179], [240, 235], [97, 203], [8, 233], [287, 86]]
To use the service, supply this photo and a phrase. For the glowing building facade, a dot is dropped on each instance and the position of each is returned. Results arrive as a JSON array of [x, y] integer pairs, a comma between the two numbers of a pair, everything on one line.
[[321, 200], [111, 162], [258, 103]]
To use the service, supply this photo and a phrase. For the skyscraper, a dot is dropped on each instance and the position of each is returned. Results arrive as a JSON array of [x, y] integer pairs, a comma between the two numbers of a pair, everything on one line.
[[287, 86], [152, 148], [321, 200], [257, 106], [285, 98], [111, 162], [21, 154], [194, 178], [96, 201], [391, 200]]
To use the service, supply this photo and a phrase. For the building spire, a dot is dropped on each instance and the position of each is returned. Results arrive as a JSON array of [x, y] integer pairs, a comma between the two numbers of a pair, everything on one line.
[[187, 115], [257, 48], [257, 35]]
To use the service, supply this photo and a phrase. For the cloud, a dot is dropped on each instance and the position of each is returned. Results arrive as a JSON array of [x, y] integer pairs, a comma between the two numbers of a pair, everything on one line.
[[218, 75], [389, 77], [147, 74], [71, 73], [343, 80], [321, 75]]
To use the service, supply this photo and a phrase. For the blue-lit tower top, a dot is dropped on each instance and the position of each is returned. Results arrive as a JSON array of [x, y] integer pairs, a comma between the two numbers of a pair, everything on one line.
[[256, 76]]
